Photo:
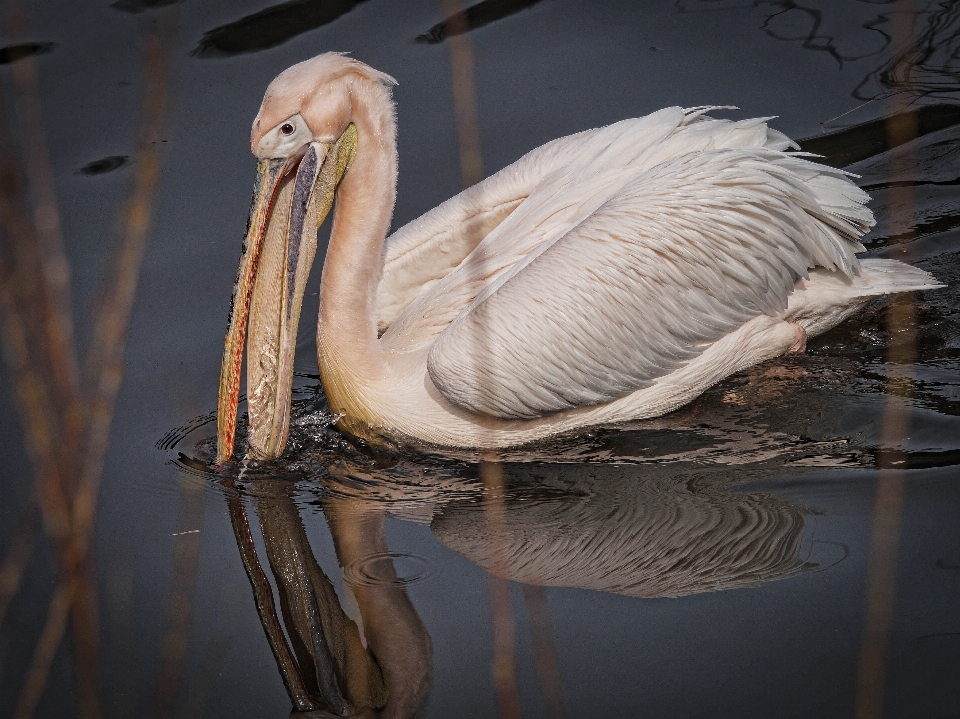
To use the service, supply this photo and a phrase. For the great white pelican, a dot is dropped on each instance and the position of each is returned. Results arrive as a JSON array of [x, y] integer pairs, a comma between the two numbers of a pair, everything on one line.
[[614, 274]]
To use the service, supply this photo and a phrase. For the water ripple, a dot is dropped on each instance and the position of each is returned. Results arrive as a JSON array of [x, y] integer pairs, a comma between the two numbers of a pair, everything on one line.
[[377, 570]]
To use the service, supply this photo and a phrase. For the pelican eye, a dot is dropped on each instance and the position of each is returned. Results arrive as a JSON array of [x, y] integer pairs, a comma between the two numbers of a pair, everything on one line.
[[284, 138]]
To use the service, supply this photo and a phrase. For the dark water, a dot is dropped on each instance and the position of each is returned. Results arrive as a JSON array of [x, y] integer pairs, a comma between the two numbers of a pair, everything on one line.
[[713, 562]]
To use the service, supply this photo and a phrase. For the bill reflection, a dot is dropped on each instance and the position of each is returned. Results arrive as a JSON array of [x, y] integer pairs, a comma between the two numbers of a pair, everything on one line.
[[327, 668]]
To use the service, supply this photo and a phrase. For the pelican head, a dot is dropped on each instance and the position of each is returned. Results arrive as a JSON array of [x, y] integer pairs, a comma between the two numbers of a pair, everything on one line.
[[304, 141]]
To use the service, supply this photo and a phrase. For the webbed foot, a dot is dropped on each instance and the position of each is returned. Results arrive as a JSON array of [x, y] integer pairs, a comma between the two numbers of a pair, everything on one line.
[[800, 344]]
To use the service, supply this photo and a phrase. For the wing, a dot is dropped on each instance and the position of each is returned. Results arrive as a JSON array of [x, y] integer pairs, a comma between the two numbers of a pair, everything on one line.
[[681, 255], [426, 250], [564, 182]]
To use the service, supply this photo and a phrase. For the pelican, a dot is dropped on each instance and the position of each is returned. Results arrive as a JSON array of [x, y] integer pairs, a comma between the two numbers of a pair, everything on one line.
[[610, 275]]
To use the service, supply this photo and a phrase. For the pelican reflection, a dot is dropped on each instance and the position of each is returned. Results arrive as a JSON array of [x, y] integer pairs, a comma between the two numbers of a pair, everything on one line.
[[653, 535], [651, 531]]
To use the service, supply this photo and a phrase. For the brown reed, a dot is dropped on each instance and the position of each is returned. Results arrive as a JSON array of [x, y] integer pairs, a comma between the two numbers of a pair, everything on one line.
[[65, 417]]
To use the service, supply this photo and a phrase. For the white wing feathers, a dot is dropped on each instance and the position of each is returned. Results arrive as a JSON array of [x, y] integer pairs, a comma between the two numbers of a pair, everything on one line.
[[425, 250], [558, 183], [645, 268], [430, 247], [641, 243]]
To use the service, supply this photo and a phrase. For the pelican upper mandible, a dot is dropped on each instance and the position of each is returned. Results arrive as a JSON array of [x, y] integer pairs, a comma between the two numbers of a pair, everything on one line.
[[610, 275]]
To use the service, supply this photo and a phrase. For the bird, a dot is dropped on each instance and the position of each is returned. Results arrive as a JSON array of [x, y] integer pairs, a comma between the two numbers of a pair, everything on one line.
[[610, 275]]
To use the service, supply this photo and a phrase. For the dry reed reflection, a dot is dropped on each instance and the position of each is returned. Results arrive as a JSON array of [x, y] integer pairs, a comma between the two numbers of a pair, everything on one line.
[[18, 556], [466, 117], [186, 560], [901, 322], [504, 663], [544, 652], [463, 93], [66, 416]]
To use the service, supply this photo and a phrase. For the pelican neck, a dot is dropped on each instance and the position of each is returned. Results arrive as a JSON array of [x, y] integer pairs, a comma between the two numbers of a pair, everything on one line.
[[347, 327]]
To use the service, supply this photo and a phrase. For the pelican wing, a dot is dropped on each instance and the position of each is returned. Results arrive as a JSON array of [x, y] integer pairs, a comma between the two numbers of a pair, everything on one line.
[[425, 251], [642, 272], [429, 275]]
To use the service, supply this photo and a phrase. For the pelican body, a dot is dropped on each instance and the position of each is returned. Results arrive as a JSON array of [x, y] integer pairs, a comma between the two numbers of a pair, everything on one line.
[[611, 275]]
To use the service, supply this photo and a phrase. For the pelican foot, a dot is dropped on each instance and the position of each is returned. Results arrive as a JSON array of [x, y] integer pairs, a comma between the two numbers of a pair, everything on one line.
[[800, 344]]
